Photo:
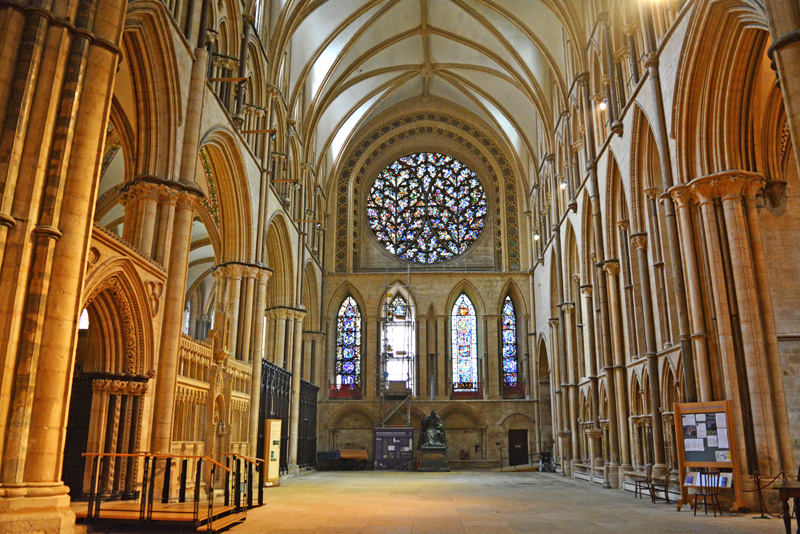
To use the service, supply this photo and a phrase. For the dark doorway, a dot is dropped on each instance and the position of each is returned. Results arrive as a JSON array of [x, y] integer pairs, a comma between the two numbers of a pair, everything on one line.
[[80, 407], [517, 447]]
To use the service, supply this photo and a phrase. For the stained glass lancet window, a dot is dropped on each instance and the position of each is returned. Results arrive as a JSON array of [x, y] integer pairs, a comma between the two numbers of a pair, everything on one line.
[[509, 344], [465, 345], [426, 207], [348, 344]]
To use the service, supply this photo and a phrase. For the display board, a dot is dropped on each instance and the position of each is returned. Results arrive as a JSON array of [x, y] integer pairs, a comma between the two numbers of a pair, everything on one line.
[[272, 451], [706, 438], [394, 449]]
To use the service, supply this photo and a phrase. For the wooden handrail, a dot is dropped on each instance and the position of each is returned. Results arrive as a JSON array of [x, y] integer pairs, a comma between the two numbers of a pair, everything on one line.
[[253, 461], [155, 455]]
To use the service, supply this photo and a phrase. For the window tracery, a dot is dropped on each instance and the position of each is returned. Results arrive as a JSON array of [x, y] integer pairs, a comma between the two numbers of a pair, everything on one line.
[[426, 207], [464, 345], [348, 344], [510, 371]]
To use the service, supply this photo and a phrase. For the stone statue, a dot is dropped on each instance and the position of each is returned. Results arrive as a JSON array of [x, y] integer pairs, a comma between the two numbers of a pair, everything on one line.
[[432, 435]]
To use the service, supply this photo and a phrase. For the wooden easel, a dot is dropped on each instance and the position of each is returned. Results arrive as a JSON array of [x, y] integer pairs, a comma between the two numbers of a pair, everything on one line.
[[707, 457]]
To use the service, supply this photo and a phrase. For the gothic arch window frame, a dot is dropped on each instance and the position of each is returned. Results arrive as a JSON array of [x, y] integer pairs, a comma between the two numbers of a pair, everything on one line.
[[463, 389], [347, 379], [388, 313], [510, 376]]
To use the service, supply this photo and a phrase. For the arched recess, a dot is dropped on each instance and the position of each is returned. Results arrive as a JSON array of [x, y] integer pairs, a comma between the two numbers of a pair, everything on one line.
[[234, 218], [465, 429], [114, 362], [153, 74], [280, 258], [116, 168], [545, 406], [716, 117], [221, 230], [311, 303], [351, 427]]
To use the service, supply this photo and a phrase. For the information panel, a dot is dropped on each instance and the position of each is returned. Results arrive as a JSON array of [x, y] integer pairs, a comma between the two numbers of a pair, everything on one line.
[[706, 439], [272, 451], [394, 449]]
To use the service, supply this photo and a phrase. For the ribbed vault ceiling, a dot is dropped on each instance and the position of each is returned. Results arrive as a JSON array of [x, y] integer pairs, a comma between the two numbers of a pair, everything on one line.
[[350, 60]]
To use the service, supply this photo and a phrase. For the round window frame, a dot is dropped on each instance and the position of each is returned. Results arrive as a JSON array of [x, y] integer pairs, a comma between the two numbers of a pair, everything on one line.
[[465, 159]]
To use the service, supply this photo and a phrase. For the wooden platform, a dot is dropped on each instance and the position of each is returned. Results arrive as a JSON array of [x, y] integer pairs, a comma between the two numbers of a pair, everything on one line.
[[169, 512]]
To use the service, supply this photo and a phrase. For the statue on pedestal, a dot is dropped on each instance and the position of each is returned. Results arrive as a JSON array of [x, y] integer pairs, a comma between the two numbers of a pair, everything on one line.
[[432, 433]]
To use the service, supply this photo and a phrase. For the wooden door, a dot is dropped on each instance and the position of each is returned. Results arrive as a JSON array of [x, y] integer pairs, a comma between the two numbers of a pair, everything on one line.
[[517, 447]]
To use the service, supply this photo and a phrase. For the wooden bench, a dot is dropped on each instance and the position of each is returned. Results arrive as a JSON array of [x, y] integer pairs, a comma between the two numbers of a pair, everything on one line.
[[351, 459]]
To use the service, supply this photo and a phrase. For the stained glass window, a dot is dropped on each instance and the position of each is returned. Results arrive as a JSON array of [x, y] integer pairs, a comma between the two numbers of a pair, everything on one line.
[[348, 344], [465, 345], [509, 344], [426, 207]]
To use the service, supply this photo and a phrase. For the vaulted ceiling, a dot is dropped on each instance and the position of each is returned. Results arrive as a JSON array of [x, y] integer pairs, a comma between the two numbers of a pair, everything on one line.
[[350, 60]]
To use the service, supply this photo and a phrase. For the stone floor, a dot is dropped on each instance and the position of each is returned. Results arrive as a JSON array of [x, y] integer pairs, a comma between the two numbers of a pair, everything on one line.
[[469, 501]]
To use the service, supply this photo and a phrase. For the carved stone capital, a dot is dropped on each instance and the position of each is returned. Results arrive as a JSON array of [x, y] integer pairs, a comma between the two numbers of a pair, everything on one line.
[[682, 195], [568, 307], [586, 289], [623, 224], [652, 192], [553, 322], [639, 240], [611, 267]]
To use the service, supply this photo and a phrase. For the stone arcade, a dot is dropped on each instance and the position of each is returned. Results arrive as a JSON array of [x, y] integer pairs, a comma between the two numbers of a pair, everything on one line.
[[545, 220]]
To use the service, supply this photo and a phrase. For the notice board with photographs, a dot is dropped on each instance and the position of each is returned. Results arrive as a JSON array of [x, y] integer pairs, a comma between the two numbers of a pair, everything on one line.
[[706, 437]]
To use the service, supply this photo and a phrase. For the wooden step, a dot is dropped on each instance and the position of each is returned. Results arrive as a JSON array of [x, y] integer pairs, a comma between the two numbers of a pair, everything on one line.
[[223, 523]]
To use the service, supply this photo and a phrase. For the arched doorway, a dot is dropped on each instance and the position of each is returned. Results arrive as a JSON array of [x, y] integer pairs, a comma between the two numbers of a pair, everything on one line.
[[109, 385]]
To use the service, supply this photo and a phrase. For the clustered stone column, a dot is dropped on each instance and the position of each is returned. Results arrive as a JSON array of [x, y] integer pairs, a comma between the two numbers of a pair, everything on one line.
[[164, 404], [55, 95], [730, 232], [297, 317]]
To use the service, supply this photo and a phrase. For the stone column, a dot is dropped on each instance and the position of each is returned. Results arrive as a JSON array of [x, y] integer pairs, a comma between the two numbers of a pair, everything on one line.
[[639, 242], [262, 278], [600, 280], [148, 204], [731, 188], [571, 379], [167, 200], [294, 416], [594, 399], [172, 325], [493, 381], [681, 194], [703, 189], [555, 391], [250, 273], [279, 356], [233, 296], [774, 367], [612, 269]]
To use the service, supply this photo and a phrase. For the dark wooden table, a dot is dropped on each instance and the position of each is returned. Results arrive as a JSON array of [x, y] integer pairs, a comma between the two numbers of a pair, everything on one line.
[[790, 490]]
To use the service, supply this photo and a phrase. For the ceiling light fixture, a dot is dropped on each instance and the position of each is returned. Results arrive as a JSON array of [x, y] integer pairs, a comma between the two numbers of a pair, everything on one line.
[[563, 184], [603, 105]]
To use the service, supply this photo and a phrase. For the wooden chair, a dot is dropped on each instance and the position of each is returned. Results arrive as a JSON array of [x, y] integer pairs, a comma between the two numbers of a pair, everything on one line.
[[641, 484], [661, 486], [709, 489]]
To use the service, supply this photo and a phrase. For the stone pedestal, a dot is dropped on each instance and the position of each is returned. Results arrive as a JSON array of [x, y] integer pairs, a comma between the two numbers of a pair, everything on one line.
[[433, 461]]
